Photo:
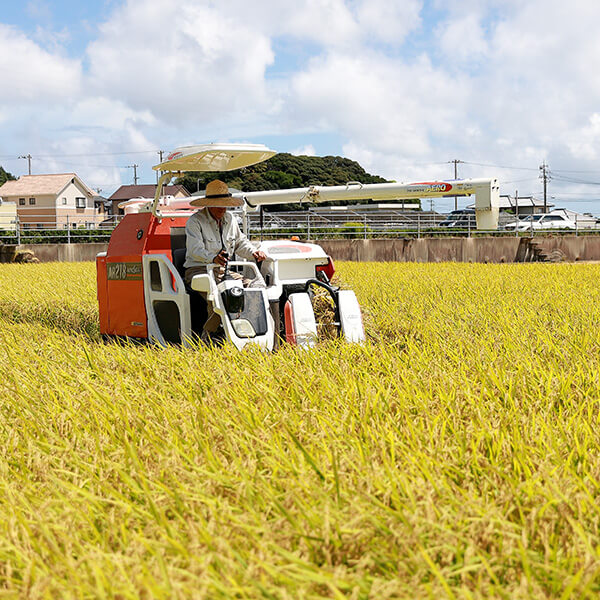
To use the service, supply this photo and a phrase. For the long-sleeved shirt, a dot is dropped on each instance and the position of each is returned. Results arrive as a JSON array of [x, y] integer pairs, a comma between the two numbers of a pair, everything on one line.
[[203, 239]]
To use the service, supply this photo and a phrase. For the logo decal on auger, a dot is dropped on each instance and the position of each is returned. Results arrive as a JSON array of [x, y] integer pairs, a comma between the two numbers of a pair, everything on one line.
[[431, 186]]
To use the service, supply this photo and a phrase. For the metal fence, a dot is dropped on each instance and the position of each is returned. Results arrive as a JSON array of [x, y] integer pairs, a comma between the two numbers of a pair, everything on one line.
[[37, 229], [305, 224], [334, 224]]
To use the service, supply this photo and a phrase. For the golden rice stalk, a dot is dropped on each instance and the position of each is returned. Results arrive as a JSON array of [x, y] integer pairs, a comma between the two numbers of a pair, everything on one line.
[[324, 310]]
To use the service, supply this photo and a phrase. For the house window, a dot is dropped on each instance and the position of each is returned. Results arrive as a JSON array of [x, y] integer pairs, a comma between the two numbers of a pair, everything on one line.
[[64, 200], [31, 201], [80, 202], [21, 201]]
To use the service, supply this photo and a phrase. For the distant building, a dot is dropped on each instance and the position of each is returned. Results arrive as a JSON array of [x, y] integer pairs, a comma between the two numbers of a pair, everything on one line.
[[128, 192], [527, 205], [8, 216], [48, 201], [102, 204]]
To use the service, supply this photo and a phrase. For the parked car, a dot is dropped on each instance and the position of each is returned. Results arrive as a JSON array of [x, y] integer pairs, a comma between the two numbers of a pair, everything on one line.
[[462, 218], [542, 221]]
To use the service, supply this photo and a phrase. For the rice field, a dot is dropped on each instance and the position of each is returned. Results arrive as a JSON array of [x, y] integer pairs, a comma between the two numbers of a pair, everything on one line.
[[456, 455]]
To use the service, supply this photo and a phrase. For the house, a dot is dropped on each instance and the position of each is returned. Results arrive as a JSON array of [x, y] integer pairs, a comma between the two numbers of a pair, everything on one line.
[[51, 201], [128, 192], [8, 216], [527, 205]]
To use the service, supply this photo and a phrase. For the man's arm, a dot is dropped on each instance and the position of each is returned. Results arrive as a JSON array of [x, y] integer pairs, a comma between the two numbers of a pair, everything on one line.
[[243, 246]]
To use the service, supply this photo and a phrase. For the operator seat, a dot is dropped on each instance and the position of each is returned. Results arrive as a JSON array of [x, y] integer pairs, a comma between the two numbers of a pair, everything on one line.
[[178, 260], [198, 307]]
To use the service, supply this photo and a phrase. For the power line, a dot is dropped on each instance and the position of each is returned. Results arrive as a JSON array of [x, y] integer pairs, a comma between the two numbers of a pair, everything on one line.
[[517, 180], [573, 180], [572, 171], [498, 166], [80, 155], [92, 165], [578, 193], [96, 154], [578, 200]]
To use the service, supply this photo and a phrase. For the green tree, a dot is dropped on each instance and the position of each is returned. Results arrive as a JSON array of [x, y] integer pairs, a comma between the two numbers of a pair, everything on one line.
[[5, 176]]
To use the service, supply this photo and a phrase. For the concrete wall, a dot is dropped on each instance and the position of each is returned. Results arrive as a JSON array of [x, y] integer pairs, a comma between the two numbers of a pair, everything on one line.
[[64, 252], [574, 248], [475, 249]]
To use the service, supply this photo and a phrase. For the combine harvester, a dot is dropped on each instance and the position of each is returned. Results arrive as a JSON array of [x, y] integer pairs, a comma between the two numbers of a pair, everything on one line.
[[141, 292]]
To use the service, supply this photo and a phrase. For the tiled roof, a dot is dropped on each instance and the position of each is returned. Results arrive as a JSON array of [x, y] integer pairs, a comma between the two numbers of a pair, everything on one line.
[[37, 185], [127, 192]]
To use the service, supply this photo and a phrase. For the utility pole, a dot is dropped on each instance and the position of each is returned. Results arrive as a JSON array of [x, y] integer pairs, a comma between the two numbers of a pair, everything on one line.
[[159, 173], [28, 157], [456, 163], [517, 204], [545, 176], [135, 177]]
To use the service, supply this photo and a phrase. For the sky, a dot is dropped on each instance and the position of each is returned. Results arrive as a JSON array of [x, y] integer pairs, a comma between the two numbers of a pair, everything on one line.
[[402, 86]]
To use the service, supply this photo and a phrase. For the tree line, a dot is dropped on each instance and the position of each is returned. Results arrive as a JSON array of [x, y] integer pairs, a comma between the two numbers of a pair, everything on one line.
[[5, 176]]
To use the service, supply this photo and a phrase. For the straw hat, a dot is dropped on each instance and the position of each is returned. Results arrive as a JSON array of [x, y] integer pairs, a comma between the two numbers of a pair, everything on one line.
[[217, 194]]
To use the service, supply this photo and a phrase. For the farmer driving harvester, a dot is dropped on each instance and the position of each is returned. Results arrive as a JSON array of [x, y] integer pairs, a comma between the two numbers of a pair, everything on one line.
[[213, 236]]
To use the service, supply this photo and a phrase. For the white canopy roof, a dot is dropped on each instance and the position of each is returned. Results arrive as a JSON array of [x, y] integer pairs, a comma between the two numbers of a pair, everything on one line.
[[214, 157]]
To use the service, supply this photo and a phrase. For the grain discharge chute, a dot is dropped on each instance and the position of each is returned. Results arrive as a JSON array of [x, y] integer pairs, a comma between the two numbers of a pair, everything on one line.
[[141, 290]]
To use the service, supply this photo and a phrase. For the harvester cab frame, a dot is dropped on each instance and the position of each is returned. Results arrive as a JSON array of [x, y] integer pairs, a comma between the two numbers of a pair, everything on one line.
[[140, 278]]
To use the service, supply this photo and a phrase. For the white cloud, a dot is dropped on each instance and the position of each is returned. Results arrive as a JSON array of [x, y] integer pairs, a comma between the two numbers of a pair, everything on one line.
[[184, 61], [516, 84], [38, 9], [388, 21], [541, 80], [330, 23], [463, 39], [384, 104], [191, 61], [308, 150], [52, 41], [584, 143], [395, 166], [503, 82], [101, 112], [31, 74]]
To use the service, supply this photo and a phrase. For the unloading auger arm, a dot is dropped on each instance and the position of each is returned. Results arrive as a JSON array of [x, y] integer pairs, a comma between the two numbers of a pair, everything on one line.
[[486, 191]]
